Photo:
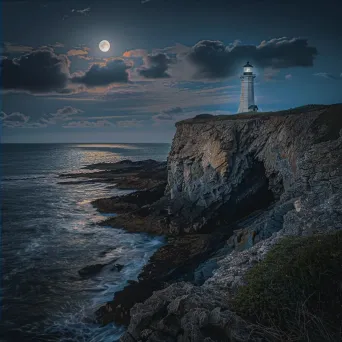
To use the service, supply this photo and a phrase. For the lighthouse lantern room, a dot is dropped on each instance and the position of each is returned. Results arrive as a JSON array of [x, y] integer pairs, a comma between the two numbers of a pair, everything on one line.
[[247, 90]]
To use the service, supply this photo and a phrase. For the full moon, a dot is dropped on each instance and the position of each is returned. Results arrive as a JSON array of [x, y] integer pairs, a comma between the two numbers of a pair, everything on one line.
[[104, 45]]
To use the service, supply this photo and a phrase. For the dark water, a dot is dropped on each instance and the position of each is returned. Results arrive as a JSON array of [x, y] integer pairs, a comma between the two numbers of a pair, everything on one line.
[[50, 231]]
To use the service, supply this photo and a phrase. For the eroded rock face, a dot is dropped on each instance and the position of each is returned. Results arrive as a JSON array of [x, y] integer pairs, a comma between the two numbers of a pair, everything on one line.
[[295, 162], [219, 171]]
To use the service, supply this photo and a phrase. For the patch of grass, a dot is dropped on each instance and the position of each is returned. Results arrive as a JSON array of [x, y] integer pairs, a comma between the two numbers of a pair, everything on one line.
[[202, 118], [295, 293]]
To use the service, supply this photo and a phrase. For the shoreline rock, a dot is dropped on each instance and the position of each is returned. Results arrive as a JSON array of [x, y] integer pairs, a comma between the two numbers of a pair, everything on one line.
[[242, 182], [130, 202], [124, 164], [287, 166], [174, 261], [126, 175], [91, 270]]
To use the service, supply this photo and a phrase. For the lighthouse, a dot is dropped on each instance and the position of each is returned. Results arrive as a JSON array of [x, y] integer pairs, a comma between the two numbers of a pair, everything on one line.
[[247, 90]]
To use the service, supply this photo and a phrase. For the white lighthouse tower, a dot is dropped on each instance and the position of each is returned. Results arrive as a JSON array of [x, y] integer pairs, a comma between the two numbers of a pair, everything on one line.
[[247, 90]]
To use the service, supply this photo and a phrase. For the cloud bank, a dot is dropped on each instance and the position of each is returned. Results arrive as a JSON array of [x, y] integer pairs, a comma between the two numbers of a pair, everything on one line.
[[40, 71], [155, 66], [44, 71], [115, 71], [213, 59]]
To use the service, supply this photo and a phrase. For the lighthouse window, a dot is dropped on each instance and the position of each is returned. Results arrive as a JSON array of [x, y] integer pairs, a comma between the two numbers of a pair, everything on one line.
[[248, 69]]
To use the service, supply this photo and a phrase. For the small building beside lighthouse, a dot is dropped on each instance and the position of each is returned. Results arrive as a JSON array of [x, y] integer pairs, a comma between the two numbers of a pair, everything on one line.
[[247, 90]]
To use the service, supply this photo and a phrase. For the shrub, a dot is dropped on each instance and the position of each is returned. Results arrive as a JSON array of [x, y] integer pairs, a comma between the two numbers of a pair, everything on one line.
[[295, 293]]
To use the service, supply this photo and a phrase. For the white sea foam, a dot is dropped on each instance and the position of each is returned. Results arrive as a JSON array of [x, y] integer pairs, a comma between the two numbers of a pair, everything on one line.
[[50, 232]]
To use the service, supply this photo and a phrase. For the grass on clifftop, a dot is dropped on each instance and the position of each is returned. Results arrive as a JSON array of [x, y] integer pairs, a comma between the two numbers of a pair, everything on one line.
[[203, 118], [295, 293]]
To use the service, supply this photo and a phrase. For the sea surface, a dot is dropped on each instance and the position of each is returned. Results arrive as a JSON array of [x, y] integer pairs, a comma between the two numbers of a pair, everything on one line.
[[49, 231]]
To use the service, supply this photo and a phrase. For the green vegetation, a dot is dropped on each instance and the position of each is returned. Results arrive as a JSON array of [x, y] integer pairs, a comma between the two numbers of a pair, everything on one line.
[[202, 118], [295, 293]]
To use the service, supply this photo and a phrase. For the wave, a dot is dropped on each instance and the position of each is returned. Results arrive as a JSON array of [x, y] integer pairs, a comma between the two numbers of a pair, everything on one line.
[[19, 178], [75, 320], [121, 146]]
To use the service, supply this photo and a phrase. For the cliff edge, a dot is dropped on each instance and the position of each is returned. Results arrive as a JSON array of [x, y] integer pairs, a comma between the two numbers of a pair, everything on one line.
[[272, 175]]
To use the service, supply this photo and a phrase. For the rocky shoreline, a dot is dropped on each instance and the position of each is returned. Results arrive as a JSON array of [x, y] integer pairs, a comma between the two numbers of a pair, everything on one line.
[[234, 188], [141, 211]]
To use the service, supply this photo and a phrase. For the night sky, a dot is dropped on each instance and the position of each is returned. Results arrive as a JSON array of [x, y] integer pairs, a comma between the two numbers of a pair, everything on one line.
[[169, 60]]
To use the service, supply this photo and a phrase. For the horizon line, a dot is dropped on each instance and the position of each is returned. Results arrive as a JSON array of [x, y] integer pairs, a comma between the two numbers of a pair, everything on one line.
[[66, 143]]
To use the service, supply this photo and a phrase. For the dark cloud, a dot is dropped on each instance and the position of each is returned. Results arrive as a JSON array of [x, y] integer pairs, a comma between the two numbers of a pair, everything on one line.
[[178, 50], [155, 66], [10, 49], [40, 71], [213, 59], [328, 76], [114, 71]]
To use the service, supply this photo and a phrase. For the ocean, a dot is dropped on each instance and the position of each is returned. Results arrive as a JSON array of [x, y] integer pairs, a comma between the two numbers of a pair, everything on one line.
[[49, 231]]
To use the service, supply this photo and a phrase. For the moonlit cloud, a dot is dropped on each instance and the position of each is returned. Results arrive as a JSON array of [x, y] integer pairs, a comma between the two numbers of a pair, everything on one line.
[[57, 45], [62, 114], [129, 123], [77, 52], [12, 120], [135, 53], [20, 120], [169, 114], [89, 124], [327, 75], [84, 11], [13, 48]]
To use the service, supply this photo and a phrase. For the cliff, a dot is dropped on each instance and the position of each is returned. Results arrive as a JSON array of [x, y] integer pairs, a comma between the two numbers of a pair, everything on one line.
[[271, 174], [221, 169]]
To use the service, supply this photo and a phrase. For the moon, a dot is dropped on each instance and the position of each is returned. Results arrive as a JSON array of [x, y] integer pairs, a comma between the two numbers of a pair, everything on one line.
[[104, 45]]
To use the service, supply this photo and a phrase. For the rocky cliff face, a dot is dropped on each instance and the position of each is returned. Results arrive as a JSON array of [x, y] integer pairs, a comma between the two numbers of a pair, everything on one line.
[[273, 175], [221, 169]]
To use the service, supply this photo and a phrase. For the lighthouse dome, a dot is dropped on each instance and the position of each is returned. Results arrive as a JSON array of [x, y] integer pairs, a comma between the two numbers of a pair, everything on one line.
[[248, 65], [248, 68]]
